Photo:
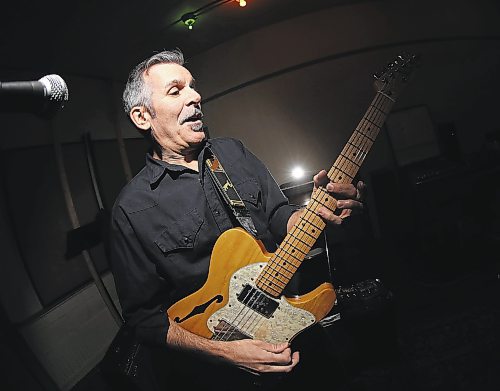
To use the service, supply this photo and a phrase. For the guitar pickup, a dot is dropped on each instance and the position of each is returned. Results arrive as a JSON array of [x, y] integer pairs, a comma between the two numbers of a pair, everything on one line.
[[257, 301]]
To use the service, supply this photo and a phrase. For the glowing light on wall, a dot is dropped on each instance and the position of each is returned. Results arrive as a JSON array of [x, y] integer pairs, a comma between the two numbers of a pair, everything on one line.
[[297, 172]]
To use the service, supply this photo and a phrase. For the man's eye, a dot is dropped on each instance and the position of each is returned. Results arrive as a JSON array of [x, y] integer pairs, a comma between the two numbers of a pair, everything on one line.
[[173, 91]]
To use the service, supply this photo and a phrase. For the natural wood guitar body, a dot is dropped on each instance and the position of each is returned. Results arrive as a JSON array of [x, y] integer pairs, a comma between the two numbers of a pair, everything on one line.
[[217, 307]]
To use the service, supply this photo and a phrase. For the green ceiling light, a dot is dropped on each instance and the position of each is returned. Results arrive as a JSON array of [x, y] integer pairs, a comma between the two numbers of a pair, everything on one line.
[[189, 19]]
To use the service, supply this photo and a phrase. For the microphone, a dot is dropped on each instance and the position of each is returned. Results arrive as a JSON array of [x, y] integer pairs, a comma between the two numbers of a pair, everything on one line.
[[43, 97]]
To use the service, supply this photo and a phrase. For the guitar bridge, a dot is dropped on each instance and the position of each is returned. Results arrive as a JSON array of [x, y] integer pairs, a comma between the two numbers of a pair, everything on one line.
[[257, 301]]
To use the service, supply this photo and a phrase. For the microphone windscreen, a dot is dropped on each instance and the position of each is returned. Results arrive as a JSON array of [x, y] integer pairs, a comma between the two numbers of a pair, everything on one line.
[[56, 88]]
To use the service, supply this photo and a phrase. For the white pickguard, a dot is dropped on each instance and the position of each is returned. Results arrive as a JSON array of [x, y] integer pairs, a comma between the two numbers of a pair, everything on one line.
[[285, 322]]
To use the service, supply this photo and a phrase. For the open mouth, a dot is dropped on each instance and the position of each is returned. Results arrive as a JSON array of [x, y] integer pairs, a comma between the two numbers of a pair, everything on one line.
[[197, 116], [194, 121]]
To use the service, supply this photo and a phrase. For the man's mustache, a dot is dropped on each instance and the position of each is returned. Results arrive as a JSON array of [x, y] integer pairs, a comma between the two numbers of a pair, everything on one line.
[[194, 114]]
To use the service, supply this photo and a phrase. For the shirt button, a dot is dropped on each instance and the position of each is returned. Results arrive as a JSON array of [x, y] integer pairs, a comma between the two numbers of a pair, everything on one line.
[[217, 212], [186, 239]]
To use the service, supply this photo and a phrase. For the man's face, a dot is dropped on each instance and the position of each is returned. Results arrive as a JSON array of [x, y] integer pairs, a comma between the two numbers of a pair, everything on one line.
[[177, 124]]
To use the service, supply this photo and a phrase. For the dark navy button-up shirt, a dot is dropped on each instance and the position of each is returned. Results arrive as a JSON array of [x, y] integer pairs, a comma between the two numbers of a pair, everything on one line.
[[166, 221]]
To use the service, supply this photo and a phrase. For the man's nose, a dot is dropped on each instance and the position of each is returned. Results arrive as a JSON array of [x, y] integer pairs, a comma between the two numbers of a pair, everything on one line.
[[194, 97]]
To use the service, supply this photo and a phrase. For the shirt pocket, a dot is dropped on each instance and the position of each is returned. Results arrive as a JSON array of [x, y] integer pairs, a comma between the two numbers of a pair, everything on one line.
[[181, 234], [250, 192]]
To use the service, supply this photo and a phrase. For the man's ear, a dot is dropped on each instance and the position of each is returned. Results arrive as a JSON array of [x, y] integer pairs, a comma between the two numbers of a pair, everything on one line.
[[141, 117]]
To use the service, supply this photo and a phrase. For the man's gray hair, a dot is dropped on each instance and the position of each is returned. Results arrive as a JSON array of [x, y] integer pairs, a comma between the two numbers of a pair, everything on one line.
[[136, 92]]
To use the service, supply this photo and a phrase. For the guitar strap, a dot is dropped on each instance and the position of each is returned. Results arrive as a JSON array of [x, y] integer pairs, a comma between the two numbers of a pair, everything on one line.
[[229, 193]]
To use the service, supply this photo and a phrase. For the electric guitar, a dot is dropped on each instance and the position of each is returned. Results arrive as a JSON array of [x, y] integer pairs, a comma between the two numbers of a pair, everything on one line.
[[243, 294]]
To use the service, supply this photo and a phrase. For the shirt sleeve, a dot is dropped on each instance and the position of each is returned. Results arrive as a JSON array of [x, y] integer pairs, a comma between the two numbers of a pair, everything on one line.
[[137, 283]]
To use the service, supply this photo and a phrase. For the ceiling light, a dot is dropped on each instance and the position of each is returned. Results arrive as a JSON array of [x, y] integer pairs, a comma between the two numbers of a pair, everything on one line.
[[242, 2], [189, 19]]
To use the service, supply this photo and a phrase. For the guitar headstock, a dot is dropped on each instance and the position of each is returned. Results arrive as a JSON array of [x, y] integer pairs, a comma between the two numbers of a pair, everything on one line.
[[395, 74]]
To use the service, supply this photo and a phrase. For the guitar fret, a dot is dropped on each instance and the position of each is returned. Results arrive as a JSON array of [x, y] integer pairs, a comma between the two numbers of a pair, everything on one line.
[[356, 147], [267, 288], [287, 264], [374, 115], [370, 127], [275, 273], [363, 142], [300, 240], [321, 203], [299, 260], [387, 96], [344, 164], [342, 168], [363, 135], [365, 131], [339, 178], [294, 247], [378, 109], [353, 162], [270, 278], [309, 222], [313, 218], [295, 262], [307, 233]]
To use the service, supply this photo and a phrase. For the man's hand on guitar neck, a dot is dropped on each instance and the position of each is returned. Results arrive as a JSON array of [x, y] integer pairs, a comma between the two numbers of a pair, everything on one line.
[[251, 355], [349, 200]]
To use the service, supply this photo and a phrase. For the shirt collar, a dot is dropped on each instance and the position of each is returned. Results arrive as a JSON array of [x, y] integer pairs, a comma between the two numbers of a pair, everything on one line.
[[157, 168]]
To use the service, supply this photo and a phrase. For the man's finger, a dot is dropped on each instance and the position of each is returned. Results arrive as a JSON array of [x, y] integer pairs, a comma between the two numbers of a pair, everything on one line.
[[328, 215], [341, 190], [320, 179], [349, 204], [360, 191]]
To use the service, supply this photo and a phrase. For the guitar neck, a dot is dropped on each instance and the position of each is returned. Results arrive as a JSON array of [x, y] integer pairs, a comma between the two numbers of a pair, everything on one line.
[[305, 232]]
